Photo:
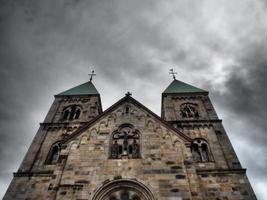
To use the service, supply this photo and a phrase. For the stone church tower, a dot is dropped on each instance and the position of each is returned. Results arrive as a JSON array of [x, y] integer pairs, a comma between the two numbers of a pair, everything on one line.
[[129, 153]]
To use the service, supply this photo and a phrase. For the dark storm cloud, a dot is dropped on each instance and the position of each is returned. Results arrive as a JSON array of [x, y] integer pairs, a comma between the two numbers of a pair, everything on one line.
[[49, 46], [246, 100], [246, 91], [86, 31]]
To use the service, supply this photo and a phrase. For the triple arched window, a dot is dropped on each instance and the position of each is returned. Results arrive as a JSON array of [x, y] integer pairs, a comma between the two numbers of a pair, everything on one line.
[[200, 150], [53, 155], [189, 110], [125, 143], [71, 112]]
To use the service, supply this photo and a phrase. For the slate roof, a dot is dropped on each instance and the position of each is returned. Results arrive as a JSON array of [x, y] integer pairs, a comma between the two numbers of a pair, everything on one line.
[[87, 88], [177, 86]]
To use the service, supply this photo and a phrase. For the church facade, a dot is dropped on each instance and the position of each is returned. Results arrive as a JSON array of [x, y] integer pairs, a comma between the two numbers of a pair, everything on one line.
[[129, 153]]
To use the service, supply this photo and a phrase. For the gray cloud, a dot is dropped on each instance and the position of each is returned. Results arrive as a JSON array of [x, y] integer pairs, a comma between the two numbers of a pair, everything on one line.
[[47, 47], [245, 101], [246, 95]]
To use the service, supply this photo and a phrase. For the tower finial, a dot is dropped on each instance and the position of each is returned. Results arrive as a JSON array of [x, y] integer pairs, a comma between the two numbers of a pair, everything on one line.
[[91, 75], [173, 73]]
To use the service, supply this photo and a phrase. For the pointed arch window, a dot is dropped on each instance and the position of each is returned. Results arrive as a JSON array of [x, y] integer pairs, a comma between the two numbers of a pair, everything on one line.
[[71, 112], [125, 143], [201, 151], [189, 110], [53, 155]]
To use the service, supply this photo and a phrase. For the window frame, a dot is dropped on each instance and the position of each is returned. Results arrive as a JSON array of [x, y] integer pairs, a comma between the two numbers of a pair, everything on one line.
[[124, 152]]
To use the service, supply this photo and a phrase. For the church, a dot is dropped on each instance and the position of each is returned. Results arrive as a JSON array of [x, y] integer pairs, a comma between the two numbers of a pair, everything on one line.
[[127, 152]]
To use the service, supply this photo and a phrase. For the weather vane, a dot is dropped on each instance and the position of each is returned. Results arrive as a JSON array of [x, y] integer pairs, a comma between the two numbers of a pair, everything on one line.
[[91, 75], [173, 73]]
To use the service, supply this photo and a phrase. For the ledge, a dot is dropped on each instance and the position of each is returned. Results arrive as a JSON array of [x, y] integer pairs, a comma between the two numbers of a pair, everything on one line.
[[33, 174], [221, 171], [61, 123], [196, 121]]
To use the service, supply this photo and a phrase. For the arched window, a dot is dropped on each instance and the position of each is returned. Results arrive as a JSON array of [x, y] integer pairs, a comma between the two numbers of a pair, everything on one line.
[[53, 155], [196, 153], [123, 189], [66, 114], [77, 113], [127, 110], [71, 112], [200, 150], [189, 110], [204, 151], [125, 143]]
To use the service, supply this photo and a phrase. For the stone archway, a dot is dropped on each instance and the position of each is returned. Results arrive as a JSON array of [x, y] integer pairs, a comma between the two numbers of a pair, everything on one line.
[[123, 189]]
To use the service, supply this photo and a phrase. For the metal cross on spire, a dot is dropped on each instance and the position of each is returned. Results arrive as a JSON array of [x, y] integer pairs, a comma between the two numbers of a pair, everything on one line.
[[91, 75], [128, 94], [173, 73]]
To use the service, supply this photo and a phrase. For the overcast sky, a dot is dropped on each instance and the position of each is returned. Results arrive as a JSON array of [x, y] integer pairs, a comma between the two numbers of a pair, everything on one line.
[[49, 46]]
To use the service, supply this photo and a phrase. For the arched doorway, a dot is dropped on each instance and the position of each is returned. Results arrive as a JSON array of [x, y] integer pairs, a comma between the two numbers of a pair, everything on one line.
[[123, 189]]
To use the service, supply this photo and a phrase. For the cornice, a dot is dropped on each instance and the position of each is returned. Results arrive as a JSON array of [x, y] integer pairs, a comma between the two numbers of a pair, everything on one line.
[[62, 123], [197, 121], [221, 171], [31, 174]]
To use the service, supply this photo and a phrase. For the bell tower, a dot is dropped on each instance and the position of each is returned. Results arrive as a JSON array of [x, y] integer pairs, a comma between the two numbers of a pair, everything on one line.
[[183, 102], [70, 110], [190, 110], [77, 105]]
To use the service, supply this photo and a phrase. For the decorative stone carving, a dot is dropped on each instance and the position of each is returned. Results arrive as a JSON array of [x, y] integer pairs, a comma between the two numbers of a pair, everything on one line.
[[189, 110], [125, 143]]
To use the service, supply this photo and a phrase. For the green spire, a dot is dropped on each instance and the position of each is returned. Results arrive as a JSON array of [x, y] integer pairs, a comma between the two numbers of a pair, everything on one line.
[[87, 88], [181, 87]]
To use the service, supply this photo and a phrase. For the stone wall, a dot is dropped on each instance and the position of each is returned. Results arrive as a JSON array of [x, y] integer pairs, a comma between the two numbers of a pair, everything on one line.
[[162, 152], [166, 165]]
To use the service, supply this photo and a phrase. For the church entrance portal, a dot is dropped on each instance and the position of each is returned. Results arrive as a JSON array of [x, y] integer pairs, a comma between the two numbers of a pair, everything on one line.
[[123, 190]]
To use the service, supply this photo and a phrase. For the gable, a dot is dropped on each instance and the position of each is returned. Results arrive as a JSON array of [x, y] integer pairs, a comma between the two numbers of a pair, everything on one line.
[[162, 151], [138, 115]]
